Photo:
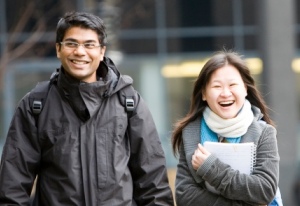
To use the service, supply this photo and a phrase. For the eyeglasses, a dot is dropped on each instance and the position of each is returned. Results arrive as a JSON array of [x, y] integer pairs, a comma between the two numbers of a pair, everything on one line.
[[74, 45]]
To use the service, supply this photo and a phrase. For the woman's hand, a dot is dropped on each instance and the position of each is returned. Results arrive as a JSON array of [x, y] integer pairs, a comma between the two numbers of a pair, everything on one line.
[[199, 156]]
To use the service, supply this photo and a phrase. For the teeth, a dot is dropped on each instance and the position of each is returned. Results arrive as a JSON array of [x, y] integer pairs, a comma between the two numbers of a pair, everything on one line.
[[79, 62], [226, 102]]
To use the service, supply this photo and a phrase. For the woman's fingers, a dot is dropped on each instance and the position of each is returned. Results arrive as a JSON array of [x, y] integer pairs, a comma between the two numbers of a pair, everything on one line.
[[203, 150], [199, 156]]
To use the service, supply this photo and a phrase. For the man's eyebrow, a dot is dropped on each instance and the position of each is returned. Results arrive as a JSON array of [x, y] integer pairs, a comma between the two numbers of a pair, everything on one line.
[[75, 40], [70, 39]]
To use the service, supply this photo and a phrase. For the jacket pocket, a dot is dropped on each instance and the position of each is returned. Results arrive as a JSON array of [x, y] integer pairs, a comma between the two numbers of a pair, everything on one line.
[[101, 157]]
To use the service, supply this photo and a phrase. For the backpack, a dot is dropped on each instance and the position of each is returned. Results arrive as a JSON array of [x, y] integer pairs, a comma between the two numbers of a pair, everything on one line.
[[38, 96], [39, 93]]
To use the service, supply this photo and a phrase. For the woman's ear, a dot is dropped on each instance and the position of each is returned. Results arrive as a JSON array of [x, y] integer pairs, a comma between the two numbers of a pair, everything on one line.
[[203, 97]]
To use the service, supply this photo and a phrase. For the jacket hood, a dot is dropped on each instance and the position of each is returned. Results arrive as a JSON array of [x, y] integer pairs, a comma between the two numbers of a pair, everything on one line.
[[86, 98]]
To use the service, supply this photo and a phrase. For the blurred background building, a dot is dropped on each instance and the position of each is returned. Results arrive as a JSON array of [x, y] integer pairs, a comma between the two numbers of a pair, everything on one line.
[[163, 44]]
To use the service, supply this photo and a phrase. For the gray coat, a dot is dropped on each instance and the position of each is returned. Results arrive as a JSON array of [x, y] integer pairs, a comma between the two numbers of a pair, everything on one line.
[[235, 188], [80, 150]]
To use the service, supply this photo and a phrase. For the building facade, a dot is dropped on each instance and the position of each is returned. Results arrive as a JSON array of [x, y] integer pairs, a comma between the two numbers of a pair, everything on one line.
[[162, 45]]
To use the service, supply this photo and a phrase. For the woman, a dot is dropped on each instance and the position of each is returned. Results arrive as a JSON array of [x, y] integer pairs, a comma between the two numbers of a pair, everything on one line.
[[226, 107]]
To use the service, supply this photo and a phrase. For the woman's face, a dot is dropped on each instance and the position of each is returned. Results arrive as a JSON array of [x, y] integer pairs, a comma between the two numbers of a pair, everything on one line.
[[225, 92]]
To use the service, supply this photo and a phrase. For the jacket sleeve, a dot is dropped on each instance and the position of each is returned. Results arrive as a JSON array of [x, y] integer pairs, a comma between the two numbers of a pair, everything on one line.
[[259, 187], [192, 192], [147, 161], [19, 158]]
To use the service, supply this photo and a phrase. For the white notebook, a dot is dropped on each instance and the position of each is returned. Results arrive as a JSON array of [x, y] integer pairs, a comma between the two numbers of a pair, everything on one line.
[[240, 156]]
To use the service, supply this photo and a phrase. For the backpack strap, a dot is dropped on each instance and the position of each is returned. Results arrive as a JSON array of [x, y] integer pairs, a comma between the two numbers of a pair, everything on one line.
[[127, 97], [37, 98], [38, 95]]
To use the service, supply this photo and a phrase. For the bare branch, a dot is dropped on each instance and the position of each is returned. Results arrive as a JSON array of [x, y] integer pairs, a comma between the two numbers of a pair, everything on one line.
[[6, 53], [22, 22], [36, 35], [10, 54]]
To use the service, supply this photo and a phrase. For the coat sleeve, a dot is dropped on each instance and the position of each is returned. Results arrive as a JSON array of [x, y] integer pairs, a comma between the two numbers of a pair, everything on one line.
[[19, 158], [192, 192], [258, 188], [147, 161]]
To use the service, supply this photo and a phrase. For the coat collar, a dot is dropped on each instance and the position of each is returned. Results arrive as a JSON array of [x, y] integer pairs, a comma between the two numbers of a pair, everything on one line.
[[86, 98]]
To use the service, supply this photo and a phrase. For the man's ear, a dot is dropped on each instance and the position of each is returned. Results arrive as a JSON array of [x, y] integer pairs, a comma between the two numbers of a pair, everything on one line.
[[103, 49], [58, 48]]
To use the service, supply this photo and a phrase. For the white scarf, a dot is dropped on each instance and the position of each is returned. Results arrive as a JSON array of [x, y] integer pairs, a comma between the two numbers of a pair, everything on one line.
[[230, 128]]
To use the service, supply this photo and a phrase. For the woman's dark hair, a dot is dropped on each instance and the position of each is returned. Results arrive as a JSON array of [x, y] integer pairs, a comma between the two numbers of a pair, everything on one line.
[[218, 60], [83, 20]]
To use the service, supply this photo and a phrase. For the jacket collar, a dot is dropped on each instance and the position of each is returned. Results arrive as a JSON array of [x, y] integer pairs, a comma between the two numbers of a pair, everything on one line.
[[86, 98]]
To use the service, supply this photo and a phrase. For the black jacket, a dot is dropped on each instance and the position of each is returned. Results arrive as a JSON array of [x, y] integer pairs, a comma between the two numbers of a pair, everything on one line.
[[80, 151]]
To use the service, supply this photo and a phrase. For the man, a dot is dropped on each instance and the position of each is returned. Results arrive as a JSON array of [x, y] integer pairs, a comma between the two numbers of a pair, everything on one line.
[[83, 148]]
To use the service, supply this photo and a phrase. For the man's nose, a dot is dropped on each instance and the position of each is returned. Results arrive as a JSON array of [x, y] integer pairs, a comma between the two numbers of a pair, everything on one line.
[[80, 49]]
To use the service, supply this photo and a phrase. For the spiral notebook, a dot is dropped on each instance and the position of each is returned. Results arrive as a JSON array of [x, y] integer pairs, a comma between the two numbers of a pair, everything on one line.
[[240, 156]]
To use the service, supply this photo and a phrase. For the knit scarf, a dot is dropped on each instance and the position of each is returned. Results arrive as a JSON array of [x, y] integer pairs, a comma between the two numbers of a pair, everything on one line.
[[230, 128]]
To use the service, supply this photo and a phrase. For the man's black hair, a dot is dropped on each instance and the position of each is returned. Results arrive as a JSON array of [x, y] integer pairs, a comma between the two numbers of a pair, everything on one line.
[[83, 20]]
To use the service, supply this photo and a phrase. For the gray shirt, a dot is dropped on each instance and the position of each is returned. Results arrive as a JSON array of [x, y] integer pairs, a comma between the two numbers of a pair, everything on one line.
[[235, 188]]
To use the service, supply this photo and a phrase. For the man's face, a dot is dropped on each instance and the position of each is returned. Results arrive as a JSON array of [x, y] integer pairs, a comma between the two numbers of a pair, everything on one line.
[[81, 63]]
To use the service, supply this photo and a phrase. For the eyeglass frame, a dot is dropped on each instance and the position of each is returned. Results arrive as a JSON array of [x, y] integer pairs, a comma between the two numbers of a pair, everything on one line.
[[77, 45]]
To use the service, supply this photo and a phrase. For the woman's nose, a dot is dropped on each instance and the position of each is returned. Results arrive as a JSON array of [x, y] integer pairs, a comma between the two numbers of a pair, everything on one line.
[[226, 92]]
